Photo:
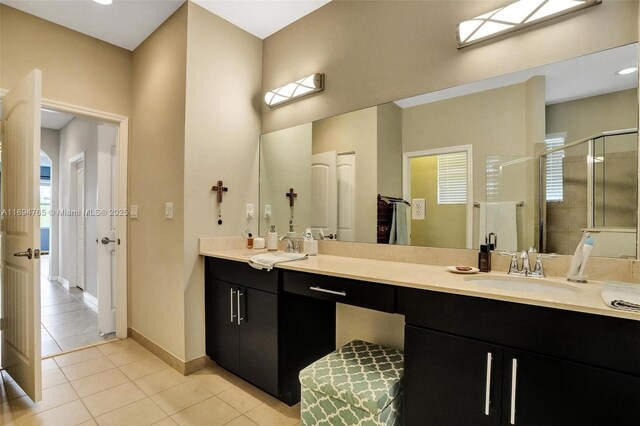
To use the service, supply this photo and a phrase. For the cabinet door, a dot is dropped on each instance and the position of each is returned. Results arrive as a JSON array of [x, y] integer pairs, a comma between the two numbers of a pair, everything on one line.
[[451, 380], [221, 323], [549, 391], [259, 338]]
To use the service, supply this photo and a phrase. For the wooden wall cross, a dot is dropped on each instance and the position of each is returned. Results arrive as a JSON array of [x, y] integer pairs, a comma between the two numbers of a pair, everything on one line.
[[219, 189], [291, 195]]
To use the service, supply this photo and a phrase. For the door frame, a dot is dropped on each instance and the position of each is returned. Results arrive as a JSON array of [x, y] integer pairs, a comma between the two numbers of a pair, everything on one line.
[[73, 173], [406, 180], [122, 150]]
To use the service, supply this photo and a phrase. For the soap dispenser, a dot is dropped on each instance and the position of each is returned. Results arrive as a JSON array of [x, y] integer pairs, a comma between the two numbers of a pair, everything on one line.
[[272, 239], [484, 258]]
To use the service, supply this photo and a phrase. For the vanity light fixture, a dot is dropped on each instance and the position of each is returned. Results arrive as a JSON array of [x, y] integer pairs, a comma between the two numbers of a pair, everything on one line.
[[627, 71], [292, 91], [104, 2], [515, 16]]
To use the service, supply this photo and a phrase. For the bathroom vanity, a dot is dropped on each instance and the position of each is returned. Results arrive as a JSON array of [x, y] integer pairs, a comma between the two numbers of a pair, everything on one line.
[[473, 355]]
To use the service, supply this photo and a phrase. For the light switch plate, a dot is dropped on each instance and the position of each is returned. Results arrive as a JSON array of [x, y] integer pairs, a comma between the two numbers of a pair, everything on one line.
[[168, 211], [267, 211], [133, 211], [250, 211], [418, 208]]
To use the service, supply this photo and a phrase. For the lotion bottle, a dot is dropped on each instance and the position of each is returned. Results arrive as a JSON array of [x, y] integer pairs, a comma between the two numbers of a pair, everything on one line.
[[272, 239]]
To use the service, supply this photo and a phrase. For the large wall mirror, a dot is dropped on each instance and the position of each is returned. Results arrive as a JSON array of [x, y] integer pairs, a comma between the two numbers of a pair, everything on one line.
[[535, 157]]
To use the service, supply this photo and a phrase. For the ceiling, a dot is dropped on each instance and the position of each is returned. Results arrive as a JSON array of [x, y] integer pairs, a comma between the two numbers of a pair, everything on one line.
[[127, 23], [577, 78], [261, 17]]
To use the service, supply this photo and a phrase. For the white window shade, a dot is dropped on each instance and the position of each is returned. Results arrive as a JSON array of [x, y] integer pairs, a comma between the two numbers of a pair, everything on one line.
[[452, 178], [554, 172]]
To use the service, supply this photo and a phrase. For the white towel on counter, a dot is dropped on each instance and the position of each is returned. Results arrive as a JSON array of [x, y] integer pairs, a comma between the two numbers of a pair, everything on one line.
[[622, 296], [266, 261], [499, 218]]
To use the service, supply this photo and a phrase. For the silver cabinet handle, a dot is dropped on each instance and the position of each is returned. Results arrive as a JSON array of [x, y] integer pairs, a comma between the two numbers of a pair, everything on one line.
[[324, 290], [231, 293], [487, 396], [240, 318], [514, 380]]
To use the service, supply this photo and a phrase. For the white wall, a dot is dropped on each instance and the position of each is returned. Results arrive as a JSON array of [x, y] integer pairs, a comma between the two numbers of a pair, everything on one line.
[[78, 136], [50, 145]]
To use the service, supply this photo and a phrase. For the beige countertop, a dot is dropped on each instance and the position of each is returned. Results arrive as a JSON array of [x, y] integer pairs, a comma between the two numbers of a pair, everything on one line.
[[574, 297]]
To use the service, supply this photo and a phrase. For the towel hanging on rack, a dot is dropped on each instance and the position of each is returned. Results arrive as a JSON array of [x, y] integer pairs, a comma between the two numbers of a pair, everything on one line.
[[390, 200]]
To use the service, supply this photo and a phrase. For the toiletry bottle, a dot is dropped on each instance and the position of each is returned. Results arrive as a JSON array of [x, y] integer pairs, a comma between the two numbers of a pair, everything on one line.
[[250, 241], [272, 239], [484, 258]]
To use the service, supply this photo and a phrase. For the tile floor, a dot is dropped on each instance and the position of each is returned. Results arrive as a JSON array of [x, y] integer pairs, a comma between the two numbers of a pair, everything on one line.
[[121, 383], [69, 321]]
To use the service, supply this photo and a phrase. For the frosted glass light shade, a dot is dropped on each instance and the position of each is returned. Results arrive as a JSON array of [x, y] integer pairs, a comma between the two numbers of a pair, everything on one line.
[[292, 91], [515, 16]]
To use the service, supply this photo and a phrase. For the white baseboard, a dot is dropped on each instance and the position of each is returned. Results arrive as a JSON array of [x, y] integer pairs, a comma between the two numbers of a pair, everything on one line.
[[64, 283], [89, 298], [54, 278]]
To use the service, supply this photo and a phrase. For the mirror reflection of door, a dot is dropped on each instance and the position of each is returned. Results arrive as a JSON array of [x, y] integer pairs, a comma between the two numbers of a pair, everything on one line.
[[324, 194], [346, 175]]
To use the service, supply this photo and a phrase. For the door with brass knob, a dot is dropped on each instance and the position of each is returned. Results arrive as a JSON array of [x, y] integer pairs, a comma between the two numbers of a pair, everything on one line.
[[21, 354]]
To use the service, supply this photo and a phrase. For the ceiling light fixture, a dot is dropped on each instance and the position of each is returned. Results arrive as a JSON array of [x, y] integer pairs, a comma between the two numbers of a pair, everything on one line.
[[515, 16], [627, 71], [292, 91], [104, 2]]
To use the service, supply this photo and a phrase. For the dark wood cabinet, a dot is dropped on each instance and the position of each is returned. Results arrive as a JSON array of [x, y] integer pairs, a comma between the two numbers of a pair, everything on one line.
[[446, 364], [258, 332], [451, 380]]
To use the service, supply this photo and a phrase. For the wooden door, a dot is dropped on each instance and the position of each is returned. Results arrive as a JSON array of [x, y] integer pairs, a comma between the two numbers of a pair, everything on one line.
[[324, 193], [21, 234]]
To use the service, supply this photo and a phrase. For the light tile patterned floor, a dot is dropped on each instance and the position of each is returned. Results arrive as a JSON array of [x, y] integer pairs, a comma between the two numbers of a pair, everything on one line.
[[69, 321], [121, 383]]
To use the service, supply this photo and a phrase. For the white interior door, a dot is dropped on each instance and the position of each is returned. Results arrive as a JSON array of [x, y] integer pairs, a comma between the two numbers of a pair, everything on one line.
[[346, 173], [80, 225], [324, 193], [21, 235], [107, 242]]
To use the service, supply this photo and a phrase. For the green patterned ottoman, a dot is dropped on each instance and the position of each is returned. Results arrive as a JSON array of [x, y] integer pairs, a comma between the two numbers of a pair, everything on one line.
[[358, 384]]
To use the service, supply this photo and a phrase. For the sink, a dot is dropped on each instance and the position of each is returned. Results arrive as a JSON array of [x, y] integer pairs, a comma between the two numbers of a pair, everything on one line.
[[538, 286]]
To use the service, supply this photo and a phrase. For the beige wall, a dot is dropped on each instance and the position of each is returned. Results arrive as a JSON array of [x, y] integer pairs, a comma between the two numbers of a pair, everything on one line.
[[50, 145], [390, 150], [156, 176], [79, 136], [586, 117], [378, 51], [76, 69], [222, 132], [356, 131], [445, 225], [285, 162]]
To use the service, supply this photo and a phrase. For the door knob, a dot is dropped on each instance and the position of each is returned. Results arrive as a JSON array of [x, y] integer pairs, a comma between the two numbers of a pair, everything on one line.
[[28, 254], [106, 240]]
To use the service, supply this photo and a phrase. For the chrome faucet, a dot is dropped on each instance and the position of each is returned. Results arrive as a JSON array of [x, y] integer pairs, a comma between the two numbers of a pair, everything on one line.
[[293, 244], [525, 269]]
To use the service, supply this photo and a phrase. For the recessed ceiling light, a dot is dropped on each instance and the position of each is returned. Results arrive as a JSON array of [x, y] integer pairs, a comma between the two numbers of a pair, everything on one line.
[[627, 71], [104, 2]]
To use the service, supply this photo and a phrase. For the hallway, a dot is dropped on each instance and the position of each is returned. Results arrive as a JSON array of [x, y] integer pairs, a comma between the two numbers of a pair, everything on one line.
[[69, 321]]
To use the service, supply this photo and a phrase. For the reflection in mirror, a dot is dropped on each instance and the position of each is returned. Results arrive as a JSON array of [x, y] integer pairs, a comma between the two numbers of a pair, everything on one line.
[[339, 166]]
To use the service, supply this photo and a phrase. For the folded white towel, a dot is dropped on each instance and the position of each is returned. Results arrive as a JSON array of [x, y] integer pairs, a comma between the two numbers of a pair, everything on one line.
[[266, 261], [621, 296]]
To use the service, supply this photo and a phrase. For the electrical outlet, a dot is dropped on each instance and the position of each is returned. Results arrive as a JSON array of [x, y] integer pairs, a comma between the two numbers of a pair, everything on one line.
[[418, 207], [267, 211], [133, 211], [250, 212], [168, 211]]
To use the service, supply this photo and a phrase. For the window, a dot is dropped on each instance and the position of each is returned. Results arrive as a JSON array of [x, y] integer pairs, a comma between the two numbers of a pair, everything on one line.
[[452, 178], [554, 185]]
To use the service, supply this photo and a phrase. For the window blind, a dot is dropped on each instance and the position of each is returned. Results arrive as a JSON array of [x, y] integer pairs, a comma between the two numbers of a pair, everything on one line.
[[452, 178], [555, 192]]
